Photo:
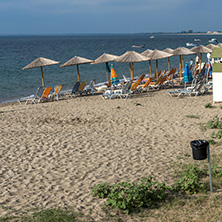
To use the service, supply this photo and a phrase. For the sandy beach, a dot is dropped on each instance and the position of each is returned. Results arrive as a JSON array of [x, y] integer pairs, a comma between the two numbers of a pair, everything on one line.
[[53, 153]]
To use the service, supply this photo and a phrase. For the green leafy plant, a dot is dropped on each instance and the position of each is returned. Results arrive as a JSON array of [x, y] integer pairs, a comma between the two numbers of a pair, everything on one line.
[[190, 181], [216, 171], [186, 155], [215, 123], [219, 134], [102, 190], [179, 157], [212, 142], [220, 106], [208, 105], [129, 197]]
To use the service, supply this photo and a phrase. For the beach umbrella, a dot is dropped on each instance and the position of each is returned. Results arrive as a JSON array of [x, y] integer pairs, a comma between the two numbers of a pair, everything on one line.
[[201, 49], [146, 53], [105, 58], [168, 50], [40, 62], [187, 76], [156, 55], [181, 51], [76, 61], [113, 76], [131, 57], [211, 46]]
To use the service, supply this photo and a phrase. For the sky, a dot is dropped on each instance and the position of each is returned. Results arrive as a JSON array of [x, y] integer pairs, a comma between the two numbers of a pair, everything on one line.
[[108, 16]]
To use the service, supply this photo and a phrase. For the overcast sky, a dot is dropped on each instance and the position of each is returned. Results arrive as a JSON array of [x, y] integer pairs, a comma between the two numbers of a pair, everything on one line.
[[108, 16]]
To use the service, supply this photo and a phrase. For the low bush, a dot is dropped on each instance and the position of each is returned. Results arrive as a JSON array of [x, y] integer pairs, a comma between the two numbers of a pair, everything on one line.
[[190, 181], [129, 197]]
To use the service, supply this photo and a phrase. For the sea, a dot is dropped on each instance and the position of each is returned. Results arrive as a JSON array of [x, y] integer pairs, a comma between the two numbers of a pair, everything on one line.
[[18, 51]]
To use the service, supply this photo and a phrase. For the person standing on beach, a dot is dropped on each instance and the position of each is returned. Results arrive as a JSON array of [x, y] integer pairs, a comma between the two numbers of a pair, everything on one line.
[[197, 60], [191, 64]]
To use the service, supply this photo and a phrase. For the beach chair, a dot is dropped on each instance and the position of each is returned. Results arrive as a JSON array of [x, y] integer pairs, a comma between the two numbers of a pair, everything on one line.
[[107, 94], [145, 87], [135, 84], [45, 95], [57, 92], [81, 88], [193, 90], [123, 93], [37, 95], [90, 88], [75, 89]]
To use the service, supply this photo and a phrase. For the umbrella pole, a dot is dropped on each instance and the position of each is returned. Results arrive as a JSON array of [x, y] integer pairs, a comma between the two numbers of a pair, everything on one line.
[[169, 64], [78, 72], [182, 63], [150, 69], [43, 84], [131, 70], [200, 62], [157, 77], [107, 75], [180, 68]]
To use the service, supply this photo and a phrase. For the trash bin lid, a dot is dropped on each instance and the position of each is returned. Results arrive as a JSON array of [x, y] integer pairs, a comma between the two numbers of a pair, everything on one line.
[[198, 144]]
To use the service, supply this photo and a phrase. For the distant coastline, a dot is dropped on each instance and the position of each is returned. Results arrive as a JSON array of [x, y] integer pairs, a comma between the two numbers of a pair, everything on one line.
[[113, 34]]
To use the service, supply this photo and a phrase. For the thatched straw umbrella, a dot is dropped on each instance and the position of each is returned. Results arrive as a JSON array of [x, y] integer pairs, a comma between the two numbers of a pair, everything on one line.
[[157, 54], [168, 50], [76, 61], [201, 49], [146, 53], [40, 62], [105, 58], [131, 57], [211, 46], [180, 52]]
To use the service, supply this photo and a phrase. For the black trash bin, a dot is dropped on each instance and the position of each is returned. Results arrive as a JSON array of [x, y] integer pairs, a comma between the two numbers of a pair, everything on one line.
[[199, 148]]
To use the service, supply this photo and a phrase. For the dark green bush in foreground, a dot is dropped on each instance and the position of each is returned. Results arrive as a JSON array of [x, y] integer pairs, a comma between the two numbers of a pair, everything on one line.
[[130, 196]]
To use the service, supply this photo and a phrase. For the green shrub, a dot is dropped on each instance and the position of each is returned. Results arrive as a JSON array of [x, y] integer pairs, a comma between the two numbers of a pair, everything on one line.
[[190, 181], [212, 142], [208, 105], [219, 134], [129, 197], [215, 123]]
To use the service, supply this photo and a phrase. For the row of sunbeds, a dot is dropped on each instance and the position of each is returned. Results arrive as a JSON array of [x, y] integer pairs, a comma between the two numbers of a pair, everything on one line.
[[140, 85], [44, 94]]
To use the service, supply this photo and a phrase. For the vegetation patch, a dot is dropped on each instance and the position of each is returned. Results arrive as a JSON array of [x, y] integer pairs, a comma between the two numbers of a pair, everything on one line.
[[208, 105], [193, 116]]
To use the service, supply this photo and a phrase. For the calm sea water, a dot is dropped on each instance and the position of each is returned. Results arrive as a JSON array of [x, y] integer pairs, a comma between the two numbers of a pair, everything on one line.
[[18, 51]]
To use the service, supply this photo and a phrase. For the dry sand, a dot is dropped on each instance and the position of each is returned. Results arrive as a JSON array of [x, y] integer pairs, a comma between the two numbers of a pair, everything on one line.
[[53, 153]]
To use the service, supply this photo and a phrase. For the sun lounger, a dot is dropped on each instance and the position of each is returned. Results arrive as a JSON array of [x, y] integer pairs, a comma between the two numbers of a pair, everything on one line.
[[125, 92], [57, 92], [90, 88], [120, 93], [193, 90], [135, 84], [81, 88], [45, 95], [145, 87], [37, 95], [75, 89]]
